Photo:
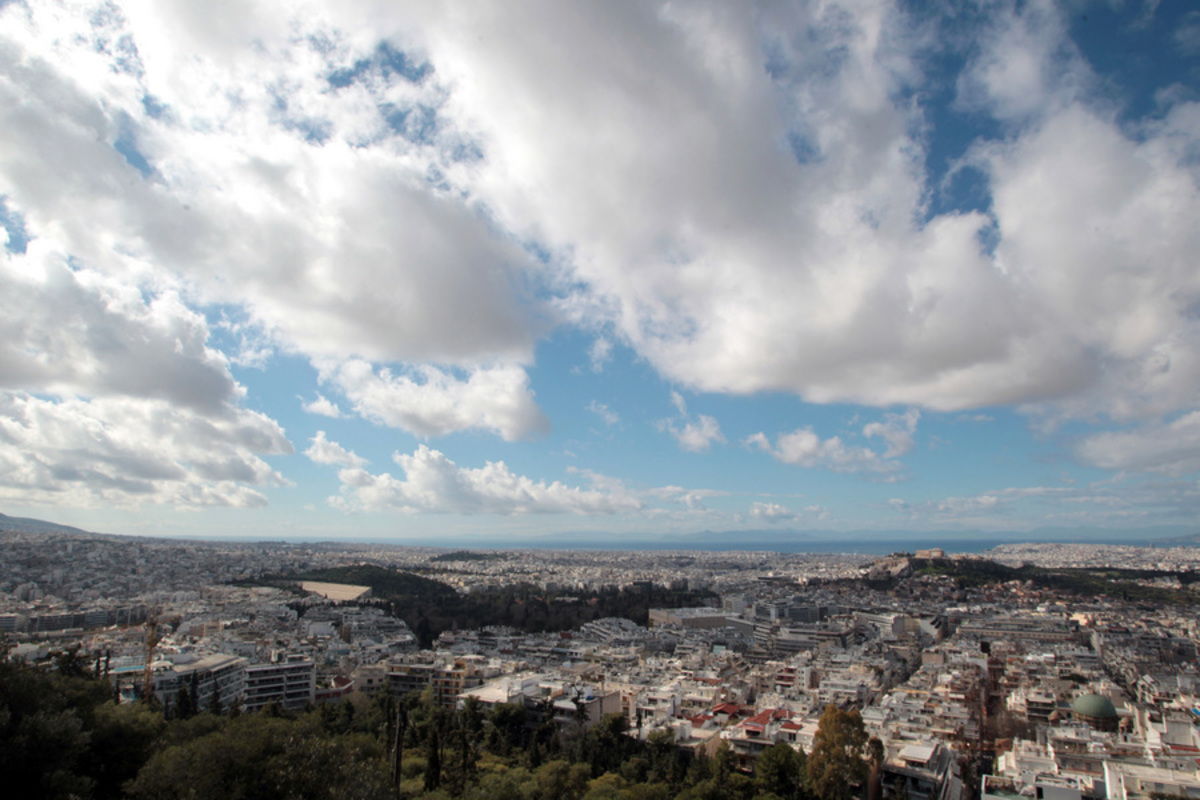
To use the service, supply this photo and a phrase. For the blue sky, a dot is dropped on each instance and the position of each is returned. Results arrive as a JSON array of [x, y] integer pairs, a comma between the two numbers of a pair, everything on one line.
[[430, 271]]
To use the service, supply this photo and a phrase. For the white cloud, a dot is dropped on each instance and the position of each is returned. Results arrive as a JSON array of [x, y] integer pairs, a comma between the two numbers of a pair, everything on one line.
[[434, 402], [375, 217], [805, 448], [434, 483], [817, 280], [771, 512], [774, 513], [897, 430], [339, 248], [324, 407], [254, 347], [600, 353], [960, 505], [323, 451], [1023, 64], [605, 413], [111, 395], [693, 435], [69, 332], [697, 435], [1172, 448], [133, 452], [679, 403], [691, 499]]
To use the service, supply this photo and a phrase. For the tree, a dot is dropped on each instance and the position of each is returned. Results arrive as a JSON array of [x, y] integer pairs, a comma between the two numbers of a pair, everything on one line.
[[660, 747], [184, 704], [122, 740], [875, 758], [722, 766], [508, 727], [433, 761], [777, 770], [559, 780], [62, 736], [262, 757], [43, 739], [836, 765]]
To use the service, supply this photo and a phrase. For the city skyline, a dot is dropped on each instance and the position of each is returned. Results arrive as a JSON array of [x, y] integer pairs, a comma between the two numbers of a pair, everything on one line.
[[357, 270]]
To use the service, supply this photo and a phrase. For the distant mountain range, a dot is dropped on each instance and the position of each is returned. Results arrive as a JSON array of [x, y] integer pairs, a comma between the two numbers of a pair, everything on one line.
[[770, 540], [832, 541], [1190, 540], [26, 525]]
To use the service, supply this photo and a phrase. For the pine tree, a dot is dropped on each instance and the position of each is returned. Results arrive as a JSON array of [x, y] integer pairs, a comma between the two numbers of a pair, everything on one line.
[[433, 764]]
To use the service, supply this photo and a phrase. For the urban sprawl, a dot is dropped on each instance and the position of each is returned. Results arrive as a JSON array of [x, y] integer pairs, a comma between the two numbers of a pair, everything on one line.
[[1005, 689]]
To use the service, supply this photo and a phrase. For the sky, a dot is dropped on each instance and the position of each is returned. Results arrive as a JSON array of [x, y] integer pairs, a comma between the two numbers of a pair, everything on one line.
[[447, 270]]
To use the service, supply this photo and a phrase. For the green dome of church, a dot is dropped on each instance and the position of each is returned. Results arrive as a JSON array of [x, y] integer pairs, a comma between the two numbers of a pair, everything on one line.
[[1094, 706]]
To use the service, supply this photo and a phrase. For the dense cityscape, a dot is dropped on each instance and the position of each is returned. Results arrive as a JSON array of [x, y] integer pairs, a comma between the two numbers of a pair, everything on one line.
[[972, 687]]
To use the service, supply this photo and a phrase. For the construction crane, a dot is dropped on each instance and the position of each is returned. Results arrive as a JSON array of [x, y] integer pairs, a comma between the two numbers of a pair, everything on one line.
[[151, 642]]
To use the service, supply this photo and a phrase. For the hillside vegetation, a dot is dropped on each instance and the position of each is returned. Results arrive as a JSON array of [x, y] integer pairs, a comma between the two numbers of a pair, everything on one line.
[[1125, 584]]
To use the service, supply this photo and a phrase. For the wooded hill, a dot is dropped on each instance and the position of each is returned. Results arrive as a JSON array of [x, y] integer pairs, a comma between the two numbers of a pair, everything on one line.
[[1128, 584]]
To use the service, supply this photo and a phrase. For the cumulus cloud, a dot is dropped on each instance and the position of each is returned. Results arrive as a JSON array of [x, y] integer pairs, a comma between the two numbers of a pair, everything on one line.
[[817, 280], [133, 452], [343, 248], [693, 435], [323, 451], [435, 402], [363, 193], [431, 482], [1172, 447], [323, 406], [697, 435], [79, 332], [1023, 64], [111, 395], [775, 513], [896, 430], [805, 448], [691, 499]]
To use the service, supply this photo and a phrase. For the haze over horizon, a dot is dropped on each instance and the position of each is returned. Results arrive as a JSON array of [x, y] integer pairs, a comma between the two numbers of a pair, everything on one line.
[[386, 269]]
